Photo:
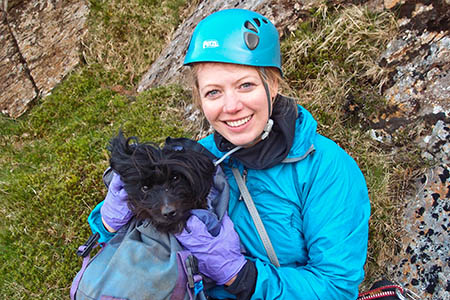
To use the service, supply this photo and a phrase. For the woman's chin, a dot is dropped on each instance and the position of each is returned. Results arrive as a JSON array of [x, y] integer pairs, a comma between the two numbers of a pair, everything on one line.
[[243, 141]]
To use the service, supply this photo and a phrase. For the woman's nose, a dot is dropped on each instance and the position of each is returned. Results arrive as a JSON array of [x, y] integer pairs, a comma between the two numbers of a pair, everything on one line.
[[232, 103]]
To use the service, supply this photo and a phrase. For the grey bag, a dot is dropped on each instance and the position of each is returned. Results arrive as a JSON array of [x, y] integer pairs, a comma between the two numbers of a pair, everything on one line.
[[137, 263]]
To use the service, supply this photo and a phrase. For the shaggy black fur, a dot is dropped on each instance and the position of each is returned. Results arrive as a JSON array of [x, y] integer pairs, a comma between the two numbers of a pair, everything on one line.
[[163, 185]]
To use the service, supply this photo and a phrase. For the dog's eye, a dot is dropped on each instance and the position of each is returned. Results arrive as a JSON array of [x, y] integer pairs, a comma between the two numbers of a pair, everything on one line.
[[175, 178], [144, 189]]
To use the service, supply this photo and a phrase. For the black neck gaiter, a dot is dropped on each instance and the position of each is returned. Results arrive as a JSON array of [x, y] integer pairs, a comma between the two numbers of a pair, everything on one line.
[[275, 147]]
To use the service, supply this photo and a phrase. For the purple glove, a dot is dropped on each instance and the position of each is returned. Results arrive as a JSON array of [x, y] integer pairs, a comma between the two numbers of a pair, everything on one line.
[[115, 211], [219, 257]]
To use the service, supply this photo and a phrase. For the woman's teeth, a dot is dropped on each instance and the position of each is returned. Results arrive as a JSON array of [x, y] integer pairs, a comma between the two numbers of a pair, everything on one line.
[[238, 122]]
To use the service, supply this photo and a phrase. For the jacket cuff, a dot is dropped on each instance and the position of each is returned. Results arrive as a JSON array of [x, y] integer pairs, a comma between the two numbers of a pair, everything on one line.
[[96, 224], [244, 284]]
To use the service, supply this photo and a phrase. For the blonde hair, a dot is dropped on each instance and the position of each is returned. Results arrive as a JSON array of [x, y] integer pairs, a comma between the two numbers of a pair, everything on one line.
[[271, 75]]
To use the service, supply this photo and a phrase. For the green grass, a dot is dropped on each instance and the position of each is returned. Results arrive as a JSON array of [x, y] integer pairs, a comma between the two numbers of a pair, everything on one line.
[[50, 168], [126, 36], [52, 158]]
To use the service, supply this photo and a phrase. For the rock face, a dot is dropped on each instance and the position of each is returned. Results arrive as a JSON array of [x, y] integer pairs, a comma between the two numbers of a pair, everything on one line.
[[41, 41], [418, 93], [423, 262]]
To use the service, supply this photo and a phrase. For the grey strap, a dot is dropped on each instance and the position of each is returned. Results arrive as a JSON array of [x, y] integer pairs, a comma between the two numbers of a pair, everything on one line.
[[296, 159], [256, 218]]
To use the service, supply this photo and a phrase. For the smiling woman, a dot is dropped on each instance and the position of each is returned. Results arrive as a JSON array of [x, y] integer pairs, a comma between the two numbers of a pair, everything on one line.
[[310, 194], [301, 182]]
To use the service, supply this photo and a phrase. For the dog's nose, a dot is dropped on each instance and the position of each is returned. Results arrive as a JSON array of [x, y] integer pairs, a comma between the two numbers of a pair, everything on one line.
[[168, 211]]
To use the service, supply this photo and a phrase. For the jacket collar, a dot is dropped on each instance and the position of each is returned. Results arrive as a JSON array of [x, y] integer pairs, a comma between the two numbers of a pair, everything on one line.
[[305, 133]]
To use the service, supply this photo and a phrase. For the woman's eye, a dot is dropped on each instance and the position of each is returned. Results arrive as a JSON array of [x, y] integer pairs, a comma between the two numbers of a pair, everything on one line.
[[212, 94], [247, 85]]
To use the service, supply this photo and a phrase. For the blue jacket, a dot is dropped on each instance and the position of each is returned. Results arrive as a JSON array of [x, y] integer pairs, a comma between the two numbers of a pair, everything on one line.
[[315, 208]]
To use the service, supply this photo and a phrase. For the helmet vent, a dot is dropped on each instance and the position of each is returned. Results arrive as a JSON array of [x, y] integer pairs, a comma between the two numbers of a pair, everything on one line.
[[251, 40], [250, 26], [265, 21], [257, 22]]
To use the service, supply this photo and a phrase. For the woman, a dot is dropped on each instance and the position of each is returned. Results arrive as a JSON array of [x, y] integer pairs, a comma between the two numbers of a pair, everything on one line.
[[311, 196]]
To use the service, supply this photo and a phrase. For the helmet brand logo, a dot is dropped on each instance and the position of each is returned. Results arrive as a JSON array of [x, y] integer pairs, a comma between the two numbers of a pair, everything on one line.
[[210, 44]]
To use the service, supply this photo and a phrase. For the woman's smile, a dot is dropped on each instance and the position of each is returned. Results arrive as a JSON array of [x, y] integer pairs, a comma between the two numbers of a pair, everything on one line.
[[238, 123]]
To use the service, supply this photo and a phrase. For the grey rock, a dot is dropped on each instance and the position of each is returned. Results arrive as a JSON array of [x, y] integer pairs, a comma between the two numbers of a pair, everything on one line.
[[418, 93], [42, 47], [16, 85]]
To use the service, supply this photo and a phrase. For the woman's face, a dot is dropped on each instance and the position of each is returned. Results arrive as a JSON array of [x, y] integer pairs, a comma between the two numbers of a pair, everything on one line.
[[234, 100]]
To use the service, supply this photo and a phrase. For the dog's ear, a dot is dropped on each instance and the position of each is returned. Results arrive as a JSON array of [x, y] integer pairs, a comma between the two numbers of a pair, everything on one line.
[[134, 161], [119, 145], [121, 154], [200, 161], [203, 167]]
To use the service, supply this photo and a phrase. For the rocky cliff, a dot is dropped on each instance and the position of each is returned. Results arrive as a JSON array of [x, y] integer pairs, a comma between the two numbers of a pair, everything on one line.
[[418, 91]]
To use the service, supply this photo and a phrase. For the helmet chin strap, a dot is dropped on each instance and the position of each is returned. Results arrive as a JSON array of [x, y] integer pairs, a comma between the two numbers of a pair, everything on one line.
[[269, 123], [267, 129]]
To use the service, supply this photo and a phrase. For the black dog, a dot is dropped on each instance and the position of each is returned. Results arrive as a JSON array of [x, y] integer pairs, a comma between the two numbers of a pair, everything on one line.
[[163, 185]]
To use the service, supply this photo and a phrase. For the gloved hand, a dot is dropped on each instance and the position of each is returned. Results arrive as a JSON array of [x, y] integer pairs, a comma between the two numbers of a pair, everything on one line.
[[219, 257], [115, 212]]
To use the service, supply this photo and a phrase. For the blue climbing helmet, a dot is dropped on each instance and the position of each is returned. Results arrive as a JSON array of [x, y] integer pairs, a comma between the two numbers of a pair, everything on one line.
[[237, 36]]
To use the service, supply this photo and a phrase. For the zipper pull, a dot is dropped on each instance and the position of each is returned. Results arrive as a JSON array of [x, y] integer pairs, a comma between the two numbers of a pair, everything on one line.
[[244, 178], [244, 175]]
